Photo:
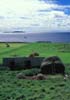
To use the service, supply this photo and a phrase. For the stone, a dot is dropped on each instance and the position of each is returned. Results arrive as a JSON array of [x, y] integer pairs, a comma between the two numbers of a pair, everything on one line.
[[52, 65]]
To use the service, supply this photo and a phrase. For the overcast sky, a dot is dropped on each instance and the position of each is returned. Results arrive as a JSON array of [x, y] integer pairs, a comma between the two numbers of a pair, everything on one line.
[[34, 16]]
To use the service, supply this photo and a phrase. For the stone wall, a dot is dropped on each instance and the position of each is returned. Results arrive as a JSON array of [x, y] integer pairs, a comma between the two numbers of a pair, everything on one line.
[[23, 61]]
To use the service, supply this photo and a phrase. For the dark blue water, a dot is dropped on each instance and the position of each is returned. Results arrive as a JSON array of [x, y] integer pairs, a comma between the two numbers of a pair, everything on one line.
[[53, 37]]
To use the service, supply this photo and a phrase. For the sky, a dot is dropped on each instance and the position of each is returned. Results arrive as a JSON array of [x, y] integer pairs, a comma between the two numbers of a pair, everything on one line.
[[34, 16]]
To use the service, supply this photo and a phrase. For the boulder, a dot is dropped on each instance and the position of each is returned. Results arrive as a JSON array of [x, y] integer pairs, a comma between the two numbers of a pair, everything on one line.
[[52, 65]]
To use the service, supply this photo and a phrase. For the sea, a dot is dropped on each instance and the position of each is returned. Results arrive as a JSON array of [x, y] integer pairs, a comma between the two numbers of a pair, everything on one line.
[[63, 37]]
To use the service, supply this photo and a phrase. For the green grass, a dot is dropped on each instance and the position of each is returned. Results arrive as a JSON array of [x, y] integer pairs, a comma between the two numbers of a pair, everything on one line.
[[44, 49], [54, 88]]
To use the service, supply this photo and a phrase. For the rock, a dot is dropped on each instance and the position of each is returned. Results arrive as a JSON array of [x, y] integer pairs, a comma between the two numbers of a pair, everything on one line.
[[21, 76], [40, 77], [52, 65], [34, 54], [33, 77]]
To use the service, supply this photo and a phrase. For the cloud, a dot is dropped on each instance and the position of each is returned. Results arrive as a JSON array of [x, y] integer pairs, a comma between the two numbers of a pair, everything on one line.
[[1, 17], [60, 2], [34, 16]]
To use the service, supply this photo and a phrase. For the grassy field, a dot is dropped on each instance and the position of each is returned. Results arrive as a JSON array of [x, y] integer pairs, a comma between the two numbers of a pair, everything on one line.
[[54, 88], [44, 49]]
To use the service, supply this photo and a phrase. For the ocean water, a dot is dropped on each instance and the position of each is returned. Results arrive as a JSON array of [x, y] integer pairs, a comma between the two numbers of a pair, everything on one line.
[[53, 37]]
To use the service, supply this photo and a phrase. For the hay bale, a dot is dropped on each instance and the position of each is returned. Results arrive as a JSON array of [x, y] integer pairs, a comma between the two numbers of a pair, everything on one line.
[[52, 65]]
